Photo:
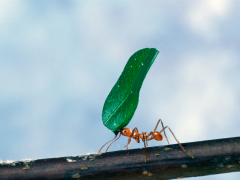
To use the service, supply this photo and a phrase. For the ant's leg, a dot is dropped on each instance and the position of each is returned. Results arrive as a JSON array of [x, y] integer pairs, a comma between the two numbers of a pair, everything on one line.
[[105, 144], [129, 142], [135, 129], [145, 151], [164, 132], [113, 142], [161, 130], [130, 137], [145, 138], [150, 136], [145, 146], [177, 141], [157, 124], [136, 138]]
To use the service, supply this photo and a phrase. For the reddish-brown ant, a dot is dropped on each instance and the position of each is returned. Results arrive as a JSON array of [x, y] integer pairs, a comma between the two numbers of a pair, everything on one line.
[[145, 137]]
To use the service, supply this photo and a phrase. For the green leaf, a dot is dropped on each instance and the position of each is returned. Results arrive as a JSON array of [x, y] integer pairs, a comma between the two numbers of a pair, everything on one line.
[[122, 101]]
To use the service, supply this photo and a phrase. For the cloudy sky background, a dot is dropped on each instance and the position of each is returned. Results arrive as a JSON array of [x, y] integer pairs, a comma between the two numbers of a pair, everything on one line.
[[60, 59]]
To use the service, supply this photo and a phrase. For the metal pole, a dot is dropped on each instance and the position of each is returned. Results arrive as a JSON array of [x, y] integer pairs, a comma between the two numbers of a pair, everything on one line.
[[164, 162]]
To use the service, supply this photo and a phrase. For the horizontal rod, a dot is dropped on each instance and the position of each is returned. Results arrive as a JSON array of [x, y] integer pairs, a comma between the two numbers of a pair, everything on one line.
[[164, 162]]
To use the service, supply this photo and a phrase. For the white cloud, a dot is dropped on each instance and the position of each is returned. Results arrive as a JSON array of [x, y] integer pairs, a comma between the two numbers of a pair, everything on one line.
[[204, 16], [9, 9]]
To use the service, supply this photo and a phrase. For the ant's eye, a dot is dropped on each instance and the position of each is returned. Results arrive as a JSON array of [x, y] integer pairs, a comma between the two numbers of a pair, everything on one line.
[[124, 131]]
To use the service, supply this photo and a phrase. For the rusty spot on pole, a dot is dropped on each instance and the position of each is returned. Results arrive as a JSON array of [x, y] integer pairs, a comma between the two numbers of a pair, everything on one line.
[[184, 166], [76, 176], [230, 166], [84, 168], [145, 172], [26, 168], [150, 174]]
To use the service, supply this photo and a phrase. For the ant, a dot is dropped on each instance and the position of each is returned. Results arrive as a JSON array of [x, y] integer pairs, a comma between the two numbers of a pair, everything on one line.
[[145, 137]]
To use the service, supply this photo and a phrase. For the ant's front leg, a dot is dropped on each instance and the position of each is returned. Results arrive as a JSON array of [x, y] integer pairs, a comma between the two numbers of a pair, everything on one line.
[[134, 135], [129, 142]]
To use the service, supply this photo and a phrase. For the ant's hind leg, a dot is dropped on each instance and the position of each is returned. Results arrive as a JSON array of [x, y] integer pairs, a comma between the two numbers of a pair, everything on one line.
[[157, 124], [164, 132], [162, 129], [177, 141]]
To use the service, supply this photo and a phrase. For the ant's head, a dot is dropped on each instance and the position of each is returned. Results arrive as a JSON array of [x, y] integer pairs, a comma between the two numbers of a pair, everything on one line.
[[126, 132]]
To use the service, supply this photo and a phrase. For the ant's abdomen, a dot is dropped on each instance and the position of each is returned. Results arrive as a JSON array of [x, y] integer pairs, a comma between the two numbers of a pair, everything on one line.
[[157, 136]]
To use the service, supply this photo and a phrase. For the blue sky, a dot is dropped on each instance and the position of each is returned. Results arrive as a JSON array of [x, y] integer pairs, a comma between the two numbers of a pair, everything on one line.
[[60, 59]]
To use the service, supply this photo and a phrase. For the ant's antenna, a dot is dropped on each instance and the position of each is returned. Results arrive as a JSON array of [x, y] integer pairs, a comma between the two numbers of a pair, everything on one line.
[[113, 141], [105, 144]]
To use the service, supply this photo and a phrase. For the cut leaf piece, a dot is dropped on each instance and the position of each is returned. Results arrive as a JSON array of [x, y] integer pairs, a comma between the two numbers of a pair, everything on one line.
[[122, 101]]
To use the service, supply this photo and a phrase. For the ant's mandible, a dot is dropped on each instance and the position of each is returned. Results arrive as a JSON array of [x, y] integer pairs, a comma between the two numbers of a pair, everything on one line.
[[145, 137]]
